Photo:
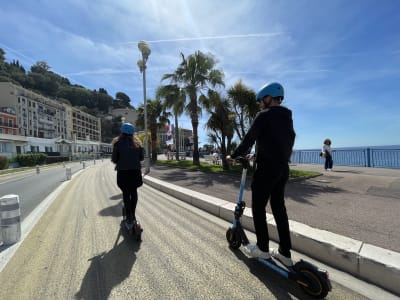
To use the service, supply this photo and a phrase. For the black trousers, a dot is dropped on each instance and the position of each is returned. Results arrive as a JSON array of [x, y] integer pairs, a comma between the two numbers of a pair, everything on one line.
[[269, 182], [328, 161], [127, 181]]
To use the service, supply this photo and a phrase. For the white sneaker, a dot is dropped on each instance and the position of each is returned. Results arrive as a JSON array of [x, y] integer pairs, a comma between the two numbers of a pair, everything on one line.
[[254, 251], [287, 261]]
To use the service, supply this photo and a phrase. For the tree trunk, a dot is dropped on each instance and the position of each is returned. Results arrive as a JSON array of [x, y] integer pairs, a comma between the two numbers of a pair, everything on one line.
[[176, 138], [195, 124], [153, 150]]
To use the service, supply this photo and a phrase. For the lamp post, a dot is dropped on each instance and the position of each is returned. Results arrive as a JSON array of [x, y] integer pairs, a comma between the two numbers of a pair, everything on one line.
[[145, 50]]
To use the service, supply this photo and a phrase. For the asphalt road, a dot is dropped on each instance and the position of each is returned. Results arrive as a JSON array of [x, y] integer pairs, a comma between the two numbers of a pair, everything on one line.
[[77, 251], [33, 187]]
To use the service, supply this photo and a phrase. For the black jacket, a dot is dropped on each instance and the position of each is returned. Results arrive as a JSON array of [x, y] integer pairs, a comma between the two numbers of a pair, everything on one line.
[[125, 156], [273, 131]]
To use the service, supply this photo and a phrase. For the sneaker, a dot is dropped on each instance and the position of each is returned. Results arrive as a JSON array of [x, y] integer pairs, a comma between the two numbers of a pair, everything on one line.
[[254, 251], [287, 261]]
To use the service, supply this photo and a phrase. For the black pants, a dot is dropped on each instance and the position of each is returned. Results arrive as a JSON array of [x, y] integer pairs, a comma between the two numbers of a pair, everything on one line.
[[328, 161], [269, 181], [127, 181]]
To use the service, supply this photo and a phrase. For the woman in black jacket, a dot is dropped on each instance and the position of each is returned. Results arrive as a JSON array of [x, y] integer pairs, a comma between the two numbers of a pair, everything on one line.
[[127, 155]]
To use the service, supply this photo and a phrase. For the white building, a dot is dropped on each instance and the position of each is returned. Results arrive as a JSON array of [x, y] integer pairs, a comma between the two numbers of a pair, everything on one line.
[[46, 125]]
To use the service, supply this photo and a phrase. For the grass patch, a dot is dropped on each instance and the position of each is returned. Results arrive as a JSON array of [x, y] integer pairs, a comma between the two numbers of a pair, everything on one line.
[[237, 169], [15, 170]]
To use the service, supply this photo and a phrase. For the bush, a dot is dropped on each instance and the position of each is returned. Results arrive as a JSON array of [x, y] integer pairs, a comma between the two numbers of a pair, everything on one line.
[[32, 159], [4, 163]]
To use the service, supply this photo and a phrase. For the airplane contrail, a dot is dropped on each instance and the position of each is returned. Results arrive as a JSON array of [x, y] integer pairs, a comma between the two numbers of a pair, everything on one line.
[[216, 37]]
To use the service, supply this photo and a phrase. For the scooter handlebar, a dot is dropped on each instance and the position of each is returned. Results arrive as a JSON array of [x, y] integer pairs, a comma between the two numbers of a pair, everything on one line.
[[243, 161]]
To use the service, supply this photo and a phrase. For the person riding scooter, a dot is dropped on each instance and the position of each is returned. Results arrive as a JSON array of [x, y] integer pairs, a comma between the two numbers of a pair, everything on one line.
[[272, 131]]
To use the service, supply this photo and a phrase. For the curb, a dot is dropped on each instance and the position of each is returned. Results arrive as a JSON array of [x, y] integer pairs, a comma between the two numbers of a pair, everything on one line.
[[365, 261]]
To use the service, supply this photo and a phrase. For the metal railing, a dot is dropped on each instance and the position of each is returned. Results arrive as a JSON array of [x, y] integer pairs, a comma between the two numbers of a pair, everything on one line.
[[363, 157]]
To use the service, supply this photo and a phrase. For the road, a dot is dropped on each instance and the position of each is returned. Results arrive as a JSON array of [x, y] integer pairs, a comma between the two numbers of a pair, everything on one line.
[[32, 188], [77, 251]]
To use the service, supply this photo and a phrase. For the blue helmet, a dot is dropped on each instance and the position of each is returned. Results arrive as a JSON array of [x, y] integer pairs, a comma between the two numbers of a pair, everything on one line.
[[128, 128], [270, 89]]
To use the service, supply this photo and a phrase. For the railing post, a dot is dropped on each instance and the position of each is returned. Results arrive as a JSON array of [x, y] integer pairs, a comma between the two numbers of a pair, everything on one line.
[[368, 157]]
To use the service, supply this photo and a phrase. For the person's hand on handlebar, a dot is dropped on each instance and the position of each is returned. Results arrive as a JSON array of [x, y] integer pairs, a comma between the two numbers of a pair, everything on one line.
[[250, 156], [229, 159]]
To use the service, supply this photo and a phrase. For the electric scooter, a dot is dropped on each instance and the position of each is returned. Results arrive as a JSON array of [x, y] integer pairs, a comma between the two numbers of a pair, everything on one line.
[[312, 280], [135, 229]]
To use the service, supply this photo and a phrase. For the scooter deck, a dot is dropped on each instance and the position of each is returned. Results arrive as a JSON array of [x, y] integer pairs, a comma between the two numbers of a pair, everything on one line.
[[134, 230]]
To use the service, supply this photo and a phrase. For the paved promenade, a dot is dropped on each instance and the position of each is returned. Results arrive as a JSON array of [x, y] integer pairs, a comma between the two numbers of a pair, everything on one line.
[[346, 218]]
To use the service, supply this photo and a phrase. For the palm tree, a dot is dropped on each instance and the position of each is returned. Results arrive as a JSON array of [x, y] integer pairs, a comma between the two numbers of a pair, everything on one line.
[[220, 123], [194, 74], [156, 117], [174, 98], [243, 102]]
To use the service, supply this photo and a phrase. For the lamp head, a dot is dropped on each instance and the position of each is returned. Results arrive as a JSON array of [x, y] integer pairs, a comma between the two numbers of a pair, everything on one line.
[[144, 49]]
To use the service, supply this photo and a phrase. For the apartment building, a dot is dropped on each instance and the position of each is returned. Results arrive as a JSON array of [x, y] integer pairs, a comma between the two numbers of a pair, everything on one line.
[[8, 121], [39, 116], [44, 125]]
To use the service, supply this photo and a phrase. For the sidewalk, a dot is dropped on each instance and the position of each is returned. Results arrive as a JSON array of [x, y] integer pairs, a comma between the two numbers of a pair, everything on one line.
[[347, 218]]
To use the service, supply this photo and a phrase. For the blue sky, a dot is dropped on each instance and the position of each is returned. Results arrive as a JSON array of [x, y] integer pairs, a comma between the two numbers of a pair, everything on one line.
[[339, 61]]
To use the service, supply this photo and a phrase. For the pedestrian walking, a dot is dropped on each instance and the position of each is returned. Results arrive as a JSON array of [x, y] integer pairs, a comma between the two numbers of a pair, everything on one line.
[[272, 131], [327, 154], [127, 155]]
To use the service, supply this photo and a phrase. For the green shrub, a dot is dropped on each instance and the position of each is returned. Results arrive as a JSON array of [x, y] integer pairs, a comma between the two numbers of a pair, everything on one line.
[[4, 163], [32, 159]]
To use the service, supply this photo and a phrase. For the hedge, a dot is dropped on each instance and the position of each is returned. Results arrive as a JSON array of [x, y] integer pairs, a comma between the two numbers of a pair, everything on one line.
[[32, 159], [4, 163]]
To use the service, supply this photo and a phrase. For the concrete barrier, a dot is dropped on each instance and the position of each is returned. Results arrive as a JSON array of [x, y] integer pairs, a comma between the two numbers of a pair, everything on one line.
[[68, 173], [10, 220]]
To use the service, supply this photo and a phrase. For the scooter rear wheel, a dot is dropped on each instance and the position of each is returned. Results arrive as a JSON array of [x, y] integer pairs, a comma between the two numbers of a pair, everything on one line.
[[314, 284], [233, 238]]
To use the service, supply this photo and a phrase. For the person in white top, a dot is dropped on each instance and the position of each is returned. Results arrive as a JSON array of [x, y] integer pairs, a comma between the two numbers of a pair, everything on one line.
[[327, 153]]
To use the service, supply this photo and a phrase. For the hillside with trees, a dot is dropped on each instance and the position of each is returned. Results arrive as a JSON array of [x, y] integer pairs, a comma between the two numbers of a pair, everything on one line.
[[42, 80]]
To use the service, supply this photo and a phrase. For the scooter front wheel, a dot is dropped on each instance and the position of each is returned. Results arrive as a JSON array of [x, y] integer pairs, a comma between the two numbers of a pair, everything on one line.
[[233, 238], [313, 283]]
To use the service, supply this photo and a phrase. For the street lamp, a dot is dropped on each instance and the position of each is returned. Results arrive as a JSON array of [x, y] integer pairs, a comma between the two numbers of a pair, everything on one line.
[[145, 50]]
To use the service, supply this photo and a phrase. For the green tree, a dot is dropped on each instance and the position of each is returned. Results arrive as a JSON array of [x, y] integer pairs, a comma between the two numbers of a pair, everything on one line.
[[2, 56], [243, 103], [156, 117], [220, 123], [195, 74], [123, 98], [175, 98], [40, 67]]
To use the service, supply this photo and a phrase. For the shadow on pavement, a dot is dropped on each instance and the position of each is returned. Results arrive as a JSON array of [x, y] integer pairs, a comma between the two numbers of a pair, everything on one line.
[[109, 269], [302, 191], [112, 211], [116, 197], [280, 287]]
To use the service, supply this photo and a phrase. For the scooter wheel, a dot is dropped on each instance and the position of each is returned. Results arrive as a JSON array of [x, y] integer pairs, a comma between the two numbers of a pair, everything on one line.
[[233, 238], [314, 284]]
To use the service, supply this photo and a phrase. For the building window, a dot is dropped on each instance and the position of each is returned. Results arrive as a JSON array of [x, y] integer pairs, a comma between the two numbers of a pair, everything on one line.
[[10, 123]]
